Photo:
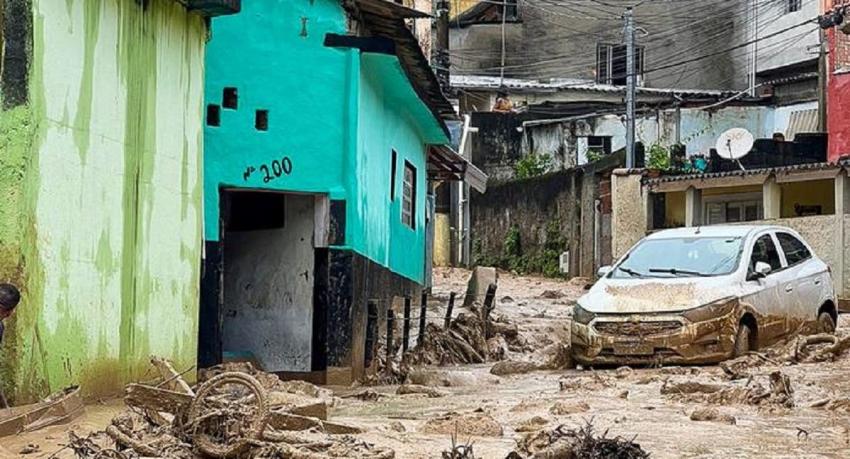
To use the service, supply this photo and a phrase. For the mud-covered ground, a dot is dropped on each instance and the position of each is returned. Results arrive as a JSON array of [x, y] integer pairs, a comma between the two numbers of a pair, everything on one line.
[[650, 405]]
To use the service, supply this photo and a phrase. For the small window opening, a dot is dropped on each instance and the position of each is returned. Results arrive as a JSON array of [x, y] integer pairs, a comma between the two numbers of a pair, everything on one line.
[[230, 98], [408, 202], [261, 120], [393, 162], [213, 115], [792, 6]]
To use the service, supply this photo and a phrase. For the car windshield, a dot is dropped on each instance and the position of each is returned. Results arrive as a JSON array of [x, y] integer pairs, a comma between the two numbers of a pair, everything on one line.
[[680, 257]]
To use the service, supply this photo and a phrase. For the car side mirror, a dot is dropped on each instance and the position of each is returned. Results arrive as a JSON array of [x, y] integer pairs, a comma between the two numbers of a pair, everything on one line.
[[760, 271], [603, 271]]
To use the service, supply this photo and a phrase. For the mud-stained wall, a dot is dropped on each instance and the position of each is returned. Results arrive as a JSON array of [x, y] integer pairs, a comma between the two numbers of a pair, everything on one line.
[[538, 208], [629, 220], [100, 177], [268, 290]]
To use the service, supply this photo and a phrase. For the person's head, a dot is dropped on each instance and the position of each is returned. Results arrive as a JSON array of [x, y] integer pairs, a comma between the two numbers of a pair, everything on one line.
[[778, 137], [9, 299]]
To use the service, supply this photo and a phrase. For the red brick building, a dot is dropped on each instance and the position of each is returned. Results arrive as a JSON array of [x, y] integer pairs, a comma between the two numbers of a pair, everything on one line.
[[838, 89]]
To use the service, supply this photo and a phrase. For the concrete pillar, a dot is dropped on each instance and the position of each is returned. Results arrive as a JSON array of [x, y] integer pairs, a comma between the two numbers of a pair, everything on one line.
[[842, 207], [648, 199], [771, 198], [842, 193], [693, 207]]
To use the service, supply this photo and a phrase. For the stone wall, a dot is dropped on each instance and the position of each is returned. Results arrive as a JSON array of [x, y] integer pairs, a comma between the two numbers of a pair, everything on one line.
[[540, 209]]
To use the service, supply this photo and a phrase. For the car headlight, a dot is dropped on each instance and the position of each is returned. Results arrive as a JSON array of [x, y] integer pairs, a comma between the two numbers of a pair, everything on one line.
[[710, 311], [581, 315]]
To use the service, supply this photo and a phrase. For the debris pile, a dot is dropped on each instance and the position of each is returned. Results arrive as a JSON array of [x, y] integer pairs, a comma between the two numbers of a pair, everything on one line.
[[712, 414], [477, 424], [246, 414], [472, 337], [778, 393], [562, 442], [822, 347], [458, 451]]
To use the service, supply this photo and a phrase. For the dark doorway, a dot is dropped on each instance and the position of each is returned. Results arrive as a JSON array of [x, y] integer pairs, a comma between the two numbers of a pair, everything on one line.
[[265, 273]]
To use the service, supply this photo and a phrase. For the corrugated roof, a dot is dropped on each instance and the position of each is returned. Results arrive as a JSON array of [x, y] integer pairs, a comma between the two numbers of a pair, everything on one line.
[[740, 173], [567, 84]]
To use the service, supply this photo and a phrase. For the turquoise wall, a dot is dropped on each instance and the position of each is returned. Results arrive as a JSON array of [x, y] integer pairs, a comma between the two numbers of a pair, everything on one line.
[[335, 113]]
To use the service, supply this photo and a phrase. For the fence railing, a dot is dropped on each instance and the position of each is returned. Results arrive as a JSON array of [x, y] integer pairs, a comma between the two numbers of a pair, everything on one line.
[[407, 319]]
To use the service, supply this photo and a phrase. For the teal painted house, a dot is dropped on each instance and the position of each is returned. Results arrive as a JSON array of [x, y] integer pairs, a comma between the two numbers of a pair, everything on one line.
[[324, 125]]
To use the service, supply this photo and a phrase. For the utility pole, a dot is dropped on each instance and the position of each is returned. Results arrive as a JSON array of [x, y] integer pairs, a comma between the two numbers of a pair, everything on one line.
[[754, 50], [504, 48], [441, 50], [631, 79]]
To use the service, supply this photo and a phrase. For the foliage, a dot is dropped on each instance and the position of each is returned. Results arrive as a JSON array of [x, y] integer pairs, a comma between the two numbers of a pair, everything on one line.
[[545, 260], [593, 155], [512, 248], [532, 165], [659, 157]]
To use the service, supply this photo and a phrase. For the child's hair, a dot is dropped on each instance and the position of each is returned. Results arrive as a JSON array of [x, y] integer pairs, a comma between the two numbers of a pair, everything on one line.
[[9, 297]]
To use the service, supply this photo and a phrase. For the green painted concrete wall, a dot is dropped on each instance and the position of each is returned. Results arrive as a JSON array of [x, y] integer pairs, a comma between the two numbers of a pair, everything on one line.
[[335, 113], [100, 178]]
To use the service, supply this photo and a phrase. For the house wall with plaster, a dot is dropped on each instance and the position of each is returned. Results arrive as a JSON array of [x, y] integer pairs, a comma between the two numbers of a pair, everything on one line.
[[100, 176], [337, 119], [556, 40], [827, 233], [838, 90]]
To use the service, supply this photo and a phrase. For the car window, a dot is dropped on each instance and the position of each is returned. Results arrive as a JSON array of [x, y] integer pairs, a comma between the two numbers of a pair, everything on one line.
[[681, 256], [765, 250], [795, 250]]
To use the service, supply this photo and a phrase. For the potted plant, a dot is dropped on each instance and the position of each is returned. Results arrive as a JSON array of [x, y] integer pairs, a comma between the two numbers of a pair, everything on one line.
[[658, 161]]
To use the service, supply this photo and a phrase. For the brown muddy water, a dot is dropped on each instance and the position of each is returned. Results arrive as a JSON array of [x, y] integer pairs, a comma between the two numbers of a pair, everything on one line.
[[623, 402]]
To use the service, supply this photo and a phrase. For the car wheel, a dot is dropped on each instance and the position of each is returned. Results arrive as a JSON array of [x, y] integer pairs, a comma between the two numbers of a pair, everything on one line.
[[742, 340], [826, 324]]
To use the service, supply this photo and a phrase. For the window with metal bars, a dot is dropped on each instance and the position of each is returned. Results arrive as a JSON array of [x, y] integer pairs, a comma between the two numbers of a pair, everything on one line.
[[611, 63], [792, 6]]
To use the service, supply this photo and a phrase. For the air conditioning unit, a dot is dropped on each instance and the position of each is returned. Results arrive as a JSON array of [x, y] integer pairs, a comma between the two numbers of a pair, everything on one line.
[[215, 7]]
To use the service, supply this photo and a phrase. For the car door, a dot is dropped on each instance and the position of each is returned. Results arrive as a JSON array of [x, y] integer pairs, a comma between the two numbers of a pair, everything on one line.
[[765, 297], [790, 310], [809, 278]]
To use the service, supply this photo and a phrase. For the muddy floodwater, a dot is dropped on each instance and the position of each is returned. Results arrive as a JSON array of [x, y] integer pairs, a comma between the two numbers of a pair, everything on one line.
[[671, 412]]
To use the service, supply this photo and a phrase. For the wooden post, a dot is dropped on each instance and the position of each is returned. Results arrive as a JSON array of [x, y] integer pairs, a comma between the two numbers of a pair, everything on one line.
[[405, 333], [488, 308], [390, 325], [421, 338], [451, 306]]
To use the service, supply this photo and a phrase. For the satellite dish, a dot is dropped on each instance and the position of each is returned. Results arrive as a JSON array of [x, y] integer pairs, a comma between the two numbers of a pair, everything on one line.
[[734, 144]]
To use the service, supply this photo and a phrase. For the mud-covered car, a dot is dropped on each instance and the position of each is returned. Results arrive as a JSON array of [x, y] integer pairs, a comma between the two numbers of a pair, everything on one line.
[[702, 295]]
